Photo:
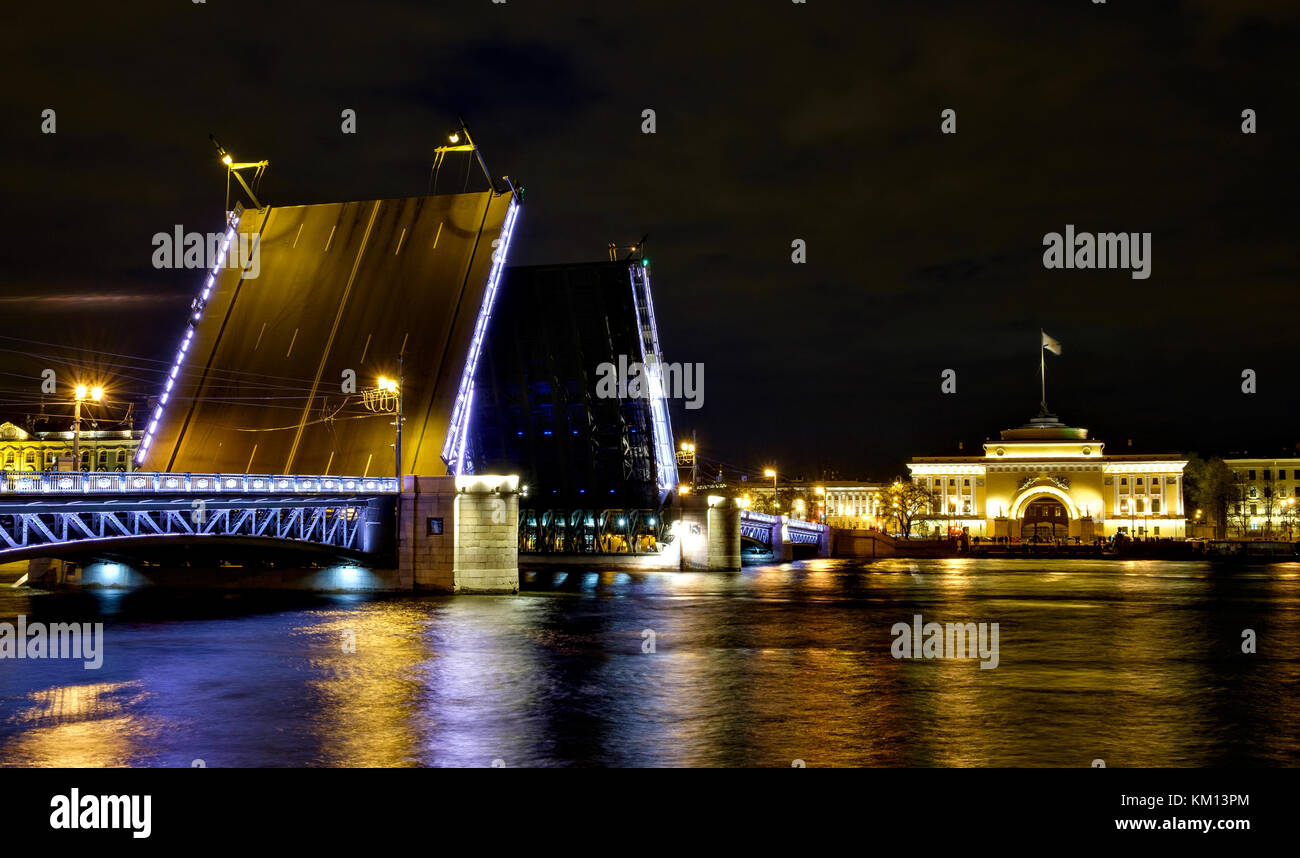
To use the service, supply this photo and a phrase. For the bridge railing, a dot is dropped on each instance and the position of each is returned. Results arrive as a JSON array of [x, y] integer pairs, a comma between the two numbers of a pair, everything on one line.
[[757, 525], [149, 482]]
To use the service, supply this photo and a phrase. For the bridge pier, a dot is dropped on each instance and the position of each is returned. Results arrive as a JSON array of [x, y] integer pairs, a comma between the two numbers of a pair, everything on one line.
[[459, 534], [710, 533]]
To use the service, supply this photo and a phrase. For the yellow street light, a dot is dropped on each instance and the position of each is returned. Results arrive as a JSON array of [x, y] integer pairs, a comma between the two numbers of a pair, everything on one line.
[[80, 393]]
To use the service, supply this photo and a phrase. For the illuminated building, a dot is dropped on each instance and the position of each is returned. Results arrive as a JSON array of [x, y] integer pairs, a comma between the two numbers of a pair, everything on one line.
[[101, 449], [852, 504], [1049, 481], [1267, 496]]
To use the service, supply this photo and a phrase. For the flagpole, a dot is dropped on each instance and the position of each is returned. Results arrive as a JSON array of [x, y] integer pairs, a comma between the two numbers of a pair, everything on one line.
[[1042, 368]]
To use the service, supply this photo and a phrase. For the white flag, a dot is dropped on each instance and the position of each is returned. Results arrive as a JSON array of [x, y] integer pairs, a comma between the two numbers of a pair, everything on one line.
[[1050, 344]]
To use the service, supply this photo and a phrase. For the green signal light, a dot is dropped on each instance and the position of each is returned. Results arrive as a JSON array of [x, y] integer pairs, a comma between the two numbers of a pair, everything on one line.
[[645, 263]]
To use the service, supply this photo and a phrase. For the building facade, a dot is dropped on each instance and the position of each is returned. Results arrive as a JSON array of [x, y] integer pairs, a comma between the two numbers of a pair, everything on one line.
[[1268, 495], [100, 449], [1046, 481], [852, 504]]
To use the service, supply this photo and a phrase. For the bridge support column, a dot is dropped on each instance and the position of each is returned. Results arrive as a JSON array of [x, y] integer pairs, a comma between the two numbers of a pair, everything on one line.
[[46, 571], [460, 534], [710, 533], [487, 534], [782, 548]]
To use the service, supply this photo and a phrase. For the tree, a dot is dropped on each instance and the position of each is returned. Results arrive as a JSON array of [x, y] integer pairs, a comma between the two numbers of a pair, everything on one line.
[[1271, 500], [907, 503], [1239, 505], [788, 502], [1211, 486]]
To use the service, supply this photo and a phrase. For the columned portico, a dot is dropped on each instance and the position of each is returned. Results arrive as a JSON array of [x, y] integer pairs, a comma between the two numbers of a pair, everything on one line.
[[1047, 480]]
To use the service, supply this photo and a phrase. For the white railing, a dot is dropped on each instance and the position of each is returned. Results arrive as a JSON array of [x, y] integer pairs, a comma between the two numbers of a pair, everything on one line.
[[149, 482]]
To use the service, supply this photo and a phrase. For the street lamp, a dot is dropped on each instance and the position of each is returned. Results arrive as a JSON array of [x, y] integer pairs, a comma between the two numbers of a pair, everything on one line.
[[95, 394], [386, 386], [687, 457], [821, 490], [771, 472]]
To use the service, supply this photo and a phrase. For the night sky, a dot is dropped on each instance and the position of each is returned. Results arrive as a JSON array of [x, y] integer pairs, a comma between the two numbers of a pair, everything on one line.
[[775, 121]]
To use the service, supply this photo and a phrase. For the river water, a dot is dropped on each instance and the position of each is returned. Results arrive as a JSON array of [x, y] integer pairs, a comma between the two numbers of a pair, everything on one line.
[[1133, 663]]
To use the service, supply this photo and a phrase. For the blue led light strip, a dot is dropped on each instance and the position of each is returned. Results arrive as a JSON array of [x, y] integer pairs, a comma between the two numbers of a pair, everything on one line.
[[190, 327], [453, 449]]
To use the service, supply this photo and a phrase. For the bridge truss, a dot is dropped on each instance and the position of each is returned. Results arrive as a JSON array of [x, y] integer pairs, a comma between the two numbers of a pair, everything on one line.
[[60, 509]]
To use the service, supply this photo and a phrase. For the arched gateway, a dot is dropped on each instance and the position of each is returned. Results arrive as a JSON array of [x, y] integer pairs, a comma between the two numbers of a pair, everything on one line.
[[1046, 480], [1044, 519]]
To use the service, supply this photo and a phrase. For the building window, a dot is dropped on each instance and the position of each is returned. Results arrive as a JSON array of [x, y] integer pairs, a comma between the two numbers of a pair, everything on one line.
[[49, 460], [1250, 475], [121, 459], [1155, 505], [1252, 509], [103, 460], [9, 460], [1281, 474], [1252, 493], [1123, 481], [1157, 530], [31, 460], [1268, 474]]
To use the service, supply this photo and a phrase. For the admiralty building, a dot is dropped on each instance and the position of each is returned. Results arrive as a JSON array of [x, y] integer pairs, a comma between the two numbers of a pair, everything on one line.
[[1046, 480]]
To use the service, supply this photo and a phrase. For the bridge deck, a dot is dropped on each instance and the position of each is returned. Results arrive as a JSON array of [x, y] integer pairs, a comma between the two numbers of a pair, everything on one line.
[[273, 364]]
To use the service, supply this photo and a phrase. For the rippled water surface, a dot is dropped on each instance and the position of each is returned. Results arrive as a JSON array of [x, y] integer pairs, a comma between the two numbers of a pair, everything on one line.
[[1135, 663]]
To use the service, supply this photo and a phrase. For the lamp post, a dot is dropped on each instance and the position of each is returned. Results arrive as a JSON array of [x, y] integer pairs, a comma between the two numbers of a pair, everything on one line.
[[771, 472], [79, 395], [388, 385], [687, 457]]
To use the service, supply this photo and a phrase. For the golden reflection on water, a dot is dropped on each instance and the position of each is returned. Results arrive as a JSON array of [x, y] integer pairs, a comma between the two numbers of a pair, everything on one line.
[[363, 663], [78, 726], [1138, 664]]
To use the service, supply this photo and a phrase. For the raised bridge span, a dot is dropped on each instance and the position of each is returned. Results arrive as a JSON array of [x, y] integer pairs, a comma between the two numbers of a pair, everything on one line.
[[278, 370]]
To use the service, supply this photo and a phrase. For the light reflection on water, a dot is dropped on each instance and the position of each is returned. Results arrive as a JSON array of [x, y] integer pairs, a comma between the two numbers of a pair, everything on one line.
[[1137, 663]]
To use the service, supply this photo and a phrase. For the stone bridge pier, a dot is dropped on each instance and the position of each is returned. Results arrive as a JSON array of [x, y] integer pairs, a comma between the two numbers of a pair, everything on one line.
[[459, 534], [709, 531]]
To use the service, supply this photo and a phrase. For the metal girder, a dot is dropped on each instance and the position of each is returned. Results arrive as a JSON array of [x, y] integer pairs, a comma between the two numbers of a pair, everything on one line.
[[335, 523]]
